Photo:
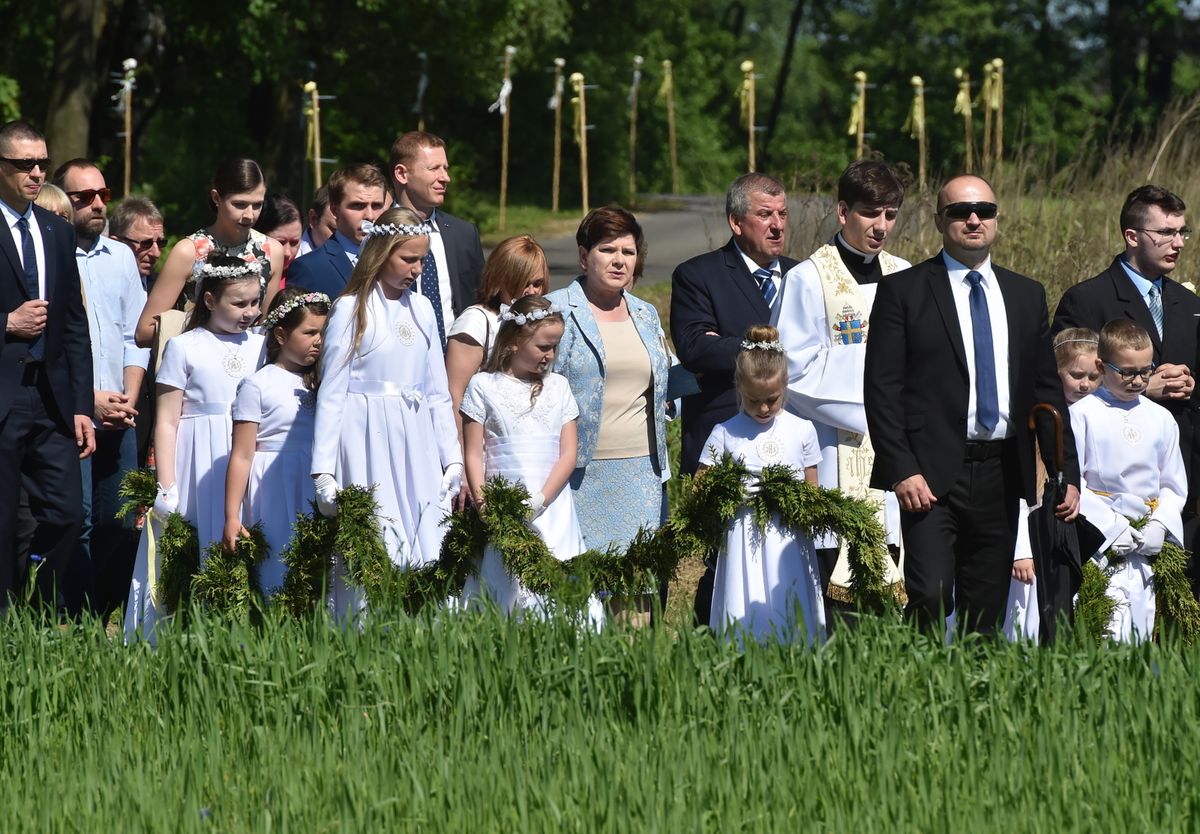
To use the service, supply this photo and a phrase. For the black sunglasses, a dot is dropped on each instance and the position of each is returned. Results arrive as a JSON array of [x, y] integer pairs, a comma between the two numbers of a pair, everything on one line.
[[962, 211], [87, 195], [27, 165], [143, 245]]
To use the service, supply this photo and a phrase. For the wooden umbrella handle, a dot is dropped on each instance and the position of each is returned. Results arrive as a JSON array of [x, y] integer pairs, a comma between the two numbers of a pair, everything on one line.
[[1059, 458]]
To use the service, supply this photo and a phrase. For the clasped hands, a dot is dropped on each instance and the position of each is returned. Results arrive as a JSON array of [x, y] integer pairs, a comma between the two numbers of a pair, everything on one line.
[[1170, 382]]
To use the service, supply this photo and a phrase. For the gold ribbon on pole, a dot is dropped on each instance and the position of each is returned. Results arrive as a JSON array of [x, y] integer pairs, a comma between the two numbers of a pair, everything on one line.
[[746, 94], [666, 93], [914, 126], [962, 107], [998, 106], [858, 113]]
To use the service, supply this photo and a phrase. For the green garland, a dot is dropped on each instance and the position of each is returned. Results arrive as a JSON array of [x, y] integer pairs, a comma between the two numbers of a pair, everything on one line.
[[1176, 608], [228, 583]]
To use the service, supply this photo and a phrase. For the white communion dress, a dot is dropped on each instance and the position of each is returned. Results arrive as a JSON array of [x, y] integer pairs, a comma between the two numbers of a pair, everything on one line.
[[280, 484], [521, 443], [764, 576], [384, 418], [207, 367]]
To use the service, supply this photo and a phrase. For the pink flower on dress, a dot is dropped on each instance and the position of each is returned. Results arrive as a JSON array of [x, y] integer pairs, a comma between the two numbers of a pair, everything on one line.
[[203, 247]]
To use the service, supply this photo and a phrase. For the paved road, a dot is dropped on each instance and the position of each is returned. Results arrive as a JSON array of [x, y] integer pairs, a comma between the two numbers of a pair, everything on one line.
[[672, 237]]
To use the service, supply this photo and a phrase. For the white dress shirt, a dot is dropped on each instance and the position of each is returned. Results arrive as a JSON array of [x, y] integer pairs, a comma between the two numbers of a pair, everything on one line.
[[774, 269], [11, 216], [115, 298], [437, 245], [960, 287], [350, 247]]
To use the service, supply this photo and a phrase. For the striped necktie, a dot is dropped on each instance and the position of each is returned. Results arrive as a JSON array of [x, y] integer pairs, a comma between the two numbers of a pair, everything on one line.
[[1154, 302], [765, 285]]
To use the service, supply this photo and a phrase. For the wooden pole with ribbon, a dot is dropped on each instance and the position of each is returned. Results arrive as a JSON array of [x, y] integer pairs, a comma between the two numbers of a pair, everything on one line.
[[998, 105], [580, 103], [556, 102], [667, 93], [962, 107], [746, 94], [422, 86], [985, 101], [501, 104], [314, 131], [638, 60], [129, 65], [915, 127], [858, 114]]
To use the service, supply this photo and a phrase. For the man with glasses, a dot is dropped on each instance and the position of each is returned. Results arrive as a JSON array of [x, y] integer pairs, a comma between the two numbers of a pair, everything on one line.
[[959, 353], [137, 222], [1136, 286], [45, 368], [113, 300]]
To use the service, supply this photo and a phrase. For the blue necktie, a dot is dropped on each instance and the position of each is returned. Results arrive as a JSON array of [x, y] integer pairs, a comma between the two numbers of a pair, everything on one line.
[[987, 400], [765, 285], [29, 261], [1154, 302], [431, 289]]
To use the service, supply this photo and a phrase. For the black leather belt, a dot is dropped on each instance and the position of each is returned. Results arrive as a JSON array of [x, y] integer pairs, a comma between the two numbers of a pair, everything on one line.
[[984, 449], [33, 372]]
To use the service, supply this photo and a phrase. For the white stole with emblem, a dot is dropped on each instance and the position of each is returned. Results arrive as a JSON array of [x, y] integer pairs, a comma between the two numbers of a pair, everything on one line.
[[847, 310]]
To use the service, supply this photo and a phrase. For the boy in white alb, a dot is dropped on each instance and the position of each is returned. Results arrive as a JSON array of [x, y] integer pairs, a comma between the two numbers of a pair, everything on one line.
[[1130, 467]]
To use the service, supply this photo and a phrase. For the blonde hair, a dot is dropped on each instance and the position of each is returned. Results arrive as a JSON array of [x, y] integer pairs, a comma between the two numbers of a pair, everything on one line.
[[511, 336], [765, 361], [1074, 342], [1122, 334], [512, 265], [371, 259], [52, 198]]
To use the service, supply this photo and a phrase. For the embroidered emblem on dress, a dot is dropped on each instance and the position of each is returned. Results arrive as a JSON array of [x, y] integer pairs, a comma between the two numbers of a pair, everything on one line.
[[1131, 433], [406, 333], [769, 449], [233, 365]]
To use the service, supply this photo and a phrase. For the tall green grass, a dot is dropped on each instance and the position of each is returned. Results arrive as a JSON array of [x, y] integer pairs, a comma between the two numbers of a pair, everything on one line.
[[476, 723]]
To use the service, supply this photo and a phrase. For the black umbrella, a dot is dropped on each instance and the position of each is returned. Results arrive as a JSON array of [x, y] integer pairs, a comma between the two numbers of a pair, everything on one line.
[[1059, 548]]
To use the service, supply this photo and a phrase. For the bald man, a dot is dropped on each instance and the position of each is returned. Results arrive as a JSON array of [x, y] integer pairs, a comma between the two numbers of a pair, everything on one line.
[[959, 353]]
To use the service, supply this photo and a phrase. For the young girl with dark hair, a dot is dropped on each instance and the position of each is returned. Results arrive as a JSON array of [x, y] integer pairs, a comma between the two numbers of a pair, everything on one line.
[[268, 478]]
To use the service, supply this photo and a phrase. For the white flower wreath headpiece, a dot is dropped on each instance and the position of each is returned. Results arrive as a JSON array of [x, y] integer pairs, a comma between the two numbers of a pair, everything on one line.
[[279, 313], [387, 229], [245, 269], [775, 346], [522, 319]]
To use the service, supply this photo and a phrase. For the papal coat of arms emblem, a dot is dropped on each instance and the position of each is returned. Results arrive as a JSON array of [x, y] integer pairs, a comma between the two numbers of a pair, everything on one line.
[[850, 328]]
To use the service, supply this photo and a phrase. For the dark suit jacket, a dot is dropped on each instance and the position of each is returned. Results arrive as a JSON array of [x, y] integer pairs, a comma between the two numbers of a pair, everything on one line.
[[324, 270], [1112, 295], [917, 384], [464, 256], [68, 348], [713, 292]]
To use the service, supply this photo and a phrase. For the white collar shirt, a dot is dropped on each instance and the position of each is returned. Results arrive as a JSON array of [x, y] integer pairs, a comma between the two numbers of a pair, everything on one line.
[[437, 245], [774, 269], [114, 298], [960, 288], [11, 216]]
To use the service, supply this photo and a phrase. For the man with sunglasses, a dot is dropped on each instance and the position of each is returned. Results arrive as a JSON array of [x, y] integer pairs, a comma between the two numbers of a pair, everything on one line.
[[45, 368], [959, 353], [113, 300], [137, 222], [1136, 286]]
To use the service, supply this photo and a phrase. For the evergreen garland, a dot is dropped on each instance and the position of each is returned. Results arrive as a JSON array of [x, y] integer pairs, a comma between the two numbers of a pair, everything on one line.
[[1093, 607], [178, 562], [228, 583]]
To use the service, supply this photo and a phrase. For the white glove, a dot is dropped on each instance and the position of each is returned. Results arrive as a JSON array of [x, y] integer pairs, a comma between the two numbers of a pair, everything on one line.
[[326, 488], [1128, 542], [167, 501], [536, 504], [451, 482], [752, 487], [1154, 534]]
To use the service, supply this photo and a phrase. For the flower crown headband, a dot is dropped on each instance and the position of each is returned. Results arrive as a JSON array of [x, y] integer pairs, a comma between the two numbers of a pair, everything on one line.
[[774, 346], [388, 229], [280, 313], [242, 270], [533, 315]]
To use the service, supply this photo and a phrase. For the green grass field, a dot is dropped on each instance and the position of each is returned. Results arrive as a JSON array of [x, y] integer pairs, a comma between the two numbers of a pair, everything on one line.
[[474, 723]]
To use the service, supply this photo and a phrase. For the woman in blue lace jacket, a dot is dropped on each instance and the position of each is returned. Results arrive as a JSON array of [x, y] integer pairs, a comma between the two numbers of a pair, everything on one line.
[[614, 354]]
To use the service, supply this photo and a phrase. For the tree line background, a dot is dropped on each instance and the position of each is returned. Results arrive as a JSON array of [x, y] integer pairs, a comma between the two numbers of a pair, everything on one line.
[[225, 77]]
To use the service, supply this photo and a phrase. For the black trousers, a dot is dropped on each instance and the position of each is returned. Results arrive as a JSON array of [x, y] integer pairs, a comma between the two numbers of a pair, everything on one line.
[[958, 556], [38, 454]]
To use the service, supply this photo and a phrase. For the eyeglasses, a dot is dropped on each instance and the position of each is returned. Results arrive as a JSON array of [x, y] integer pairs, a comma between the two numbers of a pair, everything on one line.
[[963, 211], [144, 245], [87, 195], [1129, 374], [27, 165], [1168, 234]]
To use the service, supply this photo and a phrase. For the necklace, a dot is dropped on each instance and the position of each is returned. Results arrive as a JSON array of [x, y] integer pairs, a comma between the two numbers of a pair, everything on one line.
[[232, 362]]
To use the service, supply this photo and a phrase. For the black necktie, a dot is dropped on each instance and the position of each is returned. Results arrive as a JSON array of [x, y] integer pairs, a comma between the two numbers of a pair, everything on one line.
[[29, 259]]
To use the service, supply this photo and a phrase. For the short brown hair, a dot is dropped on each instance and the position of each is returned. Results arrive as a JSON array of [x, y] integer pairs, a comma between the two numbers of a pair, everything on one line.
[[1122, 334], [509, 269], [130, 209], [1073, 343], [758, 363], [610, 222], [363, 173], [871, 182], [408, 145], [1133, 211]]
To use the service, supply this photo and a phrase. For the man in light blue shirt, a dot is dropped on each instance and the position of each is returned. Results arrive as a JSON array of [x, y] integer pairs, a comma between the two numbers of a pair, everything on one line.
[[113, 299]]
